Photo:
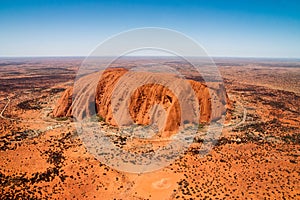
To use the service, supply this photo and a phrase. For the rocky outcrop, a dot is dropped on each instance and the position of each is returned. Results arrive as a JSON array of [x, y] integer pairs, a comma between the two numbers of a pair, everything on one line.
[[146, 103], [63, 106]]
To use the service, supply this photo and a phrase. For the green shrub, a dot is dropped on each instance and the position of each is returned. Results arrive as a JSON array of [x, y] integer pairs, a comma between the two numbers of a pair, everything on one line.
[[62, 118]]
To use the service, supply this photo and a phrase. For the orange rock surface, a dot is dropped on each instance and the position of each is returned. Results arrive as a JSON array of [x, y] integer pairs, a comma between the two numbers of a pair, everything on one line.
[[144, 99]]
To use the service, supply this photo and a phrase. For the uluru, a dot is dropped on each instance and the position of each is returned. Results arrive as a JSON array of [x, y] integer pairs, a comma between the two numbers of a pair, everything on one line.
[[145, 100]]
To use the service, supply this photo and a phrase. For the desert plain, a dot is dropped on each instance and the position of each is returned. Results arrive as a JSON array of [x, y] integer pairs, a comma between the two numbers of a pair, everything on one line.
[[255, 157]]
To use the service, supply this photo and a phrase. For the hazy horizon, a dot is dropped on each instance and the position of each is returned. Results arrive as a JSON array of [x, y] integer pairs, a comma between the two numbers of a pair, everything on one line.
[[149, 56]]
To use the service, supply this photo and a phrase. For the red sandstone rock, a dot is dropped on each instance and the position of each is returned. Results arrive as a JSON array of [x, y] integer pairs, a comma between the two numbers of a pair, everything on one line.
[[144, 99]]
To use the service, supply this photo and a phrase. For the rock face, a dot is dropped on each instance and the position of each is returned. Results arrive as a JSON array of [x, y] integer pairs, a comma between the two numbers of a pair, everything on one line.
[[63, 105], [144, 102]]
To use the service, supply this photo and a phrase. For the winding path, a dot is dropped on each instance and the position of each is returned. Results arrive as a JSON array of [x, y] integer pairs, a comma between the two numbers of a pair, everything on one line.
[[1, 114]]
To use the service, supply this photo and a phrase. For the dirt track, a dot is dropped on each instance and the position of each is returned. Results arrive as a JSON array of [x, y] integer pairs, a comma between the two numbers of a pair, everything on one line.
[[3, 110]]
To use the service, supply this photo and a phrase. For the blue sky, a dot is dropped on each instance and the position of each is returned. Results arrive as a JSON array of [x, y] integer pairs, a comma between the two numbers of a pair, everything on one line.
[[224, 28]]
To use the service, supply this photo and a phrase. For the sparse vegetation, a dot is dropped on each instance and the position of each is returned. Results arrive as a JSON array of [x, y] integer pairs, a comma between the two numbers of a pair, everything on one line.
[[61, 118], [200, 126], [39, 160], [29, 105], [97, 118]]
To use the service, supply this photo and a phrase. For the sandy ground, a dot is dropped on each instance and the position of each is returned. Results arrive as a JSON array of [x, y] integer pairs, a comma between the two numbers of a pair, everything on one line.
[[257, 156]]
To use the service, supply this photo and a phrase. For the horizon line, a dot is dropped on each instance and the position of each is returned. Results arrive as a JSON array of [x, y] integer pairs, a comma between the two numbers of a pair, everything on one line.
[[82, 56]]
